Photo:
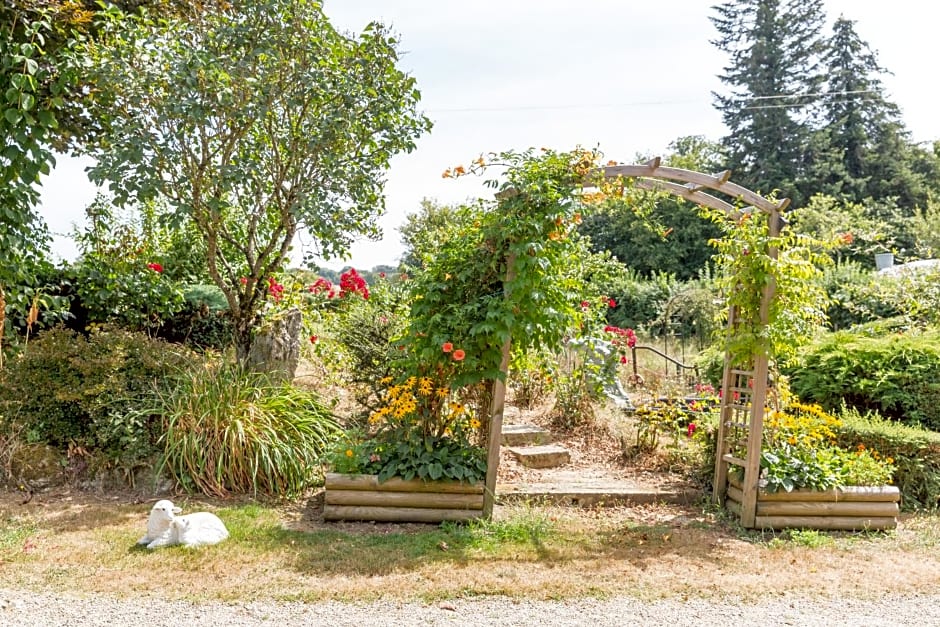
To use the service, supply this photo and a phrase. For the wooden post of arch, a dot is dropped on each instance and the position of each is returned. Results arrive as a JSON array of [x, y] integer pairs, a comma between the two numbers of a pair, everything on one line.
[[497, 408]]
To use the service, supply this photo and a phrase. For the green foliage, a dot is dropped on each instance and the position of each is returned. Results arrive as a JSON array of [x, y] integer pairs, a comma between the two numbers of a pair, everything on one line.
[[121, 275], [251, 152], [424, 230], [32, 93], [896, 375], [640, 301], [579, 381], [227, 430], [773, 49], [366, 331], [529, 376], [668, 237], [856, 295], [914, 451], [88, 391], [790, 467], [507, 270], [711, 363], [751, 259], [925, 227], [423, 429], [862, 225], [800, 450], [203, 322], [865, 149], [431, 459]]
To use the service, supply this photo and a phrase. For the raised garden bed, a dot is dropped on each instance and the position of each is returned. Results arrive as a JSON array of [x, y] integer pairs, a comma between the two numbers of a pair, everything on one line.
[[363, 497], [849, 508]]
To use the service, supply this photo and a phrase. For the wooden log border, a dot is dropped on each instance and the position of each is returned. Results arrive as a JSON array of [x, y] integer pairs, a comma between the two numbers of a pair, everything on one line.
[[363, 497], [849, 508]]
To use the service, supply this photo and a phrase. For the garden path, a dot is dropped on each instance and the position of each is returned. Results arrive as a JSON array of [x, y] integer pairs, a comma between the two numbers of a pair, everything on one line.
[[596, 473]]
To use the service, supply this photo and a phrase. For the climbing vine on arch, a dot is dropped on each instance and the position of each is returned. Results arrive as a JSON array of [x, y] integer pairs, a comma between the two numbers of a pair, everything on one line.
[[750, 258]]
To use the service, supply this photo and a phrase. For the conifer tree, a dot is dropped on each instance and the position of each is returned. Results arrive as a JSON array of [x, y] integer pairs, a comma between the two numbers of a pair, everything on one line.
[[772, 78], [863, 149]]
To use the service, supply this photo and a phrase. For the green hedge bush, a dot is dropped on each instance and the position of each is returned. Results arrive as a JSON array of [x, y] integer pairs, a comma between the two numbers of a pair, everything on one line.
[[915, 451], [67, 388], [896, 375]]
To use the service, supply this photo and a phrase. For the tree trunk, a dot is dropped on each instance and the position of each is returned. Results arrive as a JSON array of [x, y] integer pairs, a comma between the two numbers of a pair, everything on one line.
[[3, 320], [275, 348]]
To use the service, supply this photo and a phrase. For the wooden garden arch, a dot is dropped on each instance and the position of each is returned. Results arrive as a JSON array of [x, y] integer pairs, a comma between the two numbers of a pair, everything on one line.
[[745, 388]]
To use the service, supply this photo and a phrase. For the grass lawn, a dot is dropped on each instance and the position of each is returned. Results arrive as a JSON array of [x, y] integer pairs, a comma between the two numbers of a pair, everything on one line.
[[79, 543]]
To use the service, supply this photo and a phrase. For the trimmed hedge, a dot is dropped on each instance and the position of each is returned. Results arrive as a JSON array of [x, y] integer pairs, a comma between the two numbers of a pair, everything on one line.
[[897, 375], [68, 389], [915, 451]]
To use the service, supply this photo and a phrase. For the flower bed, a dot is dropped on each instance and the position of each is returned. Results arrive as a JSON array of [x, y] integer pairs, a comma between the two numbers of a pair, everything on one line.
[[847, 508], [364, 497]]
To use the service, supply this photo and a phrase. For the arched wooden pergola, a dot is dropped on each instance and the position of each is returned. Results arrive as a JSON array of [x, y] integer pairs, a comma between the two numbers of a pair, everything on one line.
[[745, 387]]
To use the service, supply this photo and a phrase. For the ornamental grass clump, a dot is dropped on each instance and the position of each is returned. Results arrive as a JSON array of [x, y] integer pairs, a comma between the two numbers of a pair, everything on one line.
[[228, 430]]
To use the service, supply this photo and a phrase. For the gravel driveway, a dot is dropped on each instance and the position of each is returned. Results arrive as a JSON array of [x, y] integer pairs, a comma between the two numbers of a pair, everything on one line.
[[26, 609]]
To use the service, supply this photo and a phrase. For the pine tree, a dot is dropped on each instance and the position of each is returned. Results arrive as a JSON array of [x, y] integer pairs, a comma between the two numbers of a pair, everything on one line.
[[863, 148], [774, 48]]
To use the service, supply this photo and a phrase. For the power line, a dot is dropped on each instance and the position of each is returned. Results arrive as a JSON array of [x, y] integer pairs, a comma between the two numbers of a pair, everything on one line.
[[649, 103]]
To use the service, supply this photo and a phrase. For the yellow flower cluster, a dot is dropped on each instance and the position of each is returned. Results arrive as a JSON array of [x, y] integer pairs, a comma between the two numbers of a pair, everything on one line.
[[423, 402], [801, 424]]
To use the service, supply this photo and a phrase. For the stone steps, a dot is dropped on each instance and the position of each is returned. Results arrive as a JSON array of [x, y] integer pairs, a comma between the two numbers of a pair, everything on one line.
[[531, 446], [523, 435], [541, 456]]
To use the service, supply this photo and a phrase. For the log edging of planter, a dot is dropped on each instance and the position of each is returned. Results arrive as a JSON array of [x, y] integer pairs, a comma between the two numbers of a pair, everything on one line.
[[363, 497], [862, 507]]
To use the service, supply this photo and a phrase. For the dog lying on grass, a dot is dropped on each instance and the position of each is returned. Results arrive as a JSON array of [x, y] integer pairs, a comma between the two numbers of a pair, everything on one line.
[[166, 528]]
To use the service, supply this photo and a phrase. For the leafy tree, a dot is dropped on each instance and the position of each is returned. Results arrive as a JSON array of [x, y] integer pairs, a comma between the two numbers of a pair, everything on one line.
[[254, 121], [774, 48], [862, 232], [425, 230], [865, 149], [42, 106], [27, 122], [684, 250]]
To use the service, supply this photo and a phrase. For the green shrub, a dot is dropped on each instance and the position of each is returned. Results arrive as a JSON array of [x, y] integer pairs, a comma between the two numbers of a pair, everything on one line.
[[915, 454], [227, 430], [711, 364], [66, 388], [896, 375], [640, 301], [366, 330], [857, 295], [203, 322]]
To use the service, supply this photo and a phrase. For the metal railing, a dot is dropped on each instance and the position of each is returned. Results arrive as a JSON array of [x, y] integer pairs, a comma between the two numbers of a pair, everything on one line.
[[679, 365]]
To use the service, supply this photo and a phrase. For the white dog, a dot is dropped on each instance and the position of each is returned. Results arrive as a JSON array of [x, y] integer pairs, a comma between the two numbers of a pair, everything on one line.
[[165, 528]]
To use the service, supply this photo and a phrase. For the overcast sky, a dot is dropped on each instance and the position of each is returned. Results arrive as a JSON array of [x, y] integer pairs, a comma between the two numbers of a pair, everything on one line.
[[629, 77]]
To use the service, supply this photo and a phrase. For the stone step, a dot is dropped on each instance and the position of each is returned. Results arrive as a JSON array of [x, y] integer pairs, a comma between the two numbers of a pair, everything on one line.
[[522, 435], [544, 456], [596, 495]]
